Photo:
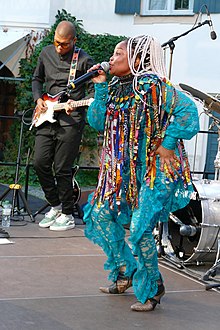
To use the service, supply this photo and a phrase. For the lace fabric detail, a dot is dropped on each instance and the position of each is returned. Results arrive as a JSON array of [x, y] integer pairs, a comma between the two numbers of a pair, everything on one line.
[[135, 125]]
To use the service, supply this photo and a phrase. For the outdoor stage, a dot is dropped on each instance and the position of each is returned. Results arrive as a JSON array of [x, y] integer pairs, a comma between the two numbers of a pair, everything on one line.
[[50, 280]]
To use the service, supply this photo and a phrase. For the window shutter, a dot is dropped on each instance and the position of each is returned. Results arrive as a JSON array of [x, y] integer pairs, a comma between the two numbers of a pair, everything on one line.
[[129, 7], [213, 6], [212, 149]]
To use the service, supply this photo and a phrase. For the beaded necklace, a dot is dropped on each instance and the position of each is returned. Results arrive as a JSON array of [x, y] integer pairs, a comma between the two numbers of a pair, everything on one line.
[[128, 113]]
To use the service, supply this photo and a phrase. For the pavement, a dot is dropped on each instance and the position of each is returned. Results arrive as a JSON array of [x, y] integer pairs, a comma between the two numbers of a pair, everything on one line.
[[50, 281]]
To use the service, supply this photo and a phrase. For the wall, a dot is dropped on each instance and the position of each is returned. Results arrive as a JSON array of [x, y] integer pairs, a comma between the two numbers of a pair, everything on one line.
[[194, 61], [194, 58], [26, 13]]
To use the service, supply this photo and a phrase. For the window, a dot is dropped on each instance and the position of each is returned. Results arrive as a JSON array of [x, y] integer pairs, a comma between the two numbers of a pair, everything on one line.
[[167, 7]]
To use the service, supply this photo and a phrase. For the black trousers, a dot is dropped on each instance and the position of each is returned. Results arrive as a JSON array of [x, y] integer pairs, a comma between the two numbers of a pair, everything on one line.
[[56, 148]]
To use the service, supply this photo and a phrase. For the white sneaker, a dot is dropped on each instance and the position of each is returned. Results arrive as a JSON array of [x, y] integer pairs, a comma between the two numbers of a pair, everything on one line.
[[63, 222], [49, 217]]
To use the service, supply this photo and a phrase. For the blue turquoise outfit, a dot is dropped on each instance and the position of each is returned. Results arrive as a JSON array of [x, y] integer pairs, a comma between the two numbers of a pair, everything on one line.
[[131, 187]]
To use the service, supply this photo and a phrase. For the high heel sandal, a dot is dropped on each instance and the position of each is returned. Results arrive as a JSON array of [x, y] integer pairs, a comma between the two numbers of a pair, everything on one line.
[[119, 286], [150, 303]]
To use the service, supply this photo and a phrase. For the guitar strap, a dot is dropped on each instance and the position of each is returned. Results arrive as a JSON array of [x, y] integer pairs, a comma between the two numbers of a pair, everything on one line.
[[72, 75], [73, 64]]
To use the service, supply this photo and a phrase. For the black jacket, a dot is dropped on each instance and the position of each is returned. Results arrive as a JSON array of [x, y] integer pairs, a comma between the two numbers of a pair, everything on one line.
[[51, 76]]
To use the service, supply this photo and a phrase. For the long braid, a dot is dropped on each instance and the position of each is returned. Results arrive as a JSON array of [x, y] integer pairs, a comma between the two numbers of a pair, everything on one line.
[[149, 51]]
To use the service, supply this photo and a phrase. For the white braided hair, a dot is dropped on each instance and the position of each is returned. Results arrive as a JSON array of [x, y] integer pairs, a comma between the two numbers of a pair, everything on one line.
[[149, 50], [150, 53]]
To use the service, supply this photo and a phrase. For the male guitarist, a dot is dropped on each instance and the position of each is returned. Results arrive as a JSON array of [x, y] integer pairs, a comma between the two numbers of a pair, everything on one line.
[[57, 143]]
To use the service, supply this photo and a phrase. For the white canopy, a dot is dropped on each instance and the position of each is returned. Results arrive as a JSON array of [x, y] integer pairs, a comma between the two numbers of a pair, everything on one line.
[[13, 44]]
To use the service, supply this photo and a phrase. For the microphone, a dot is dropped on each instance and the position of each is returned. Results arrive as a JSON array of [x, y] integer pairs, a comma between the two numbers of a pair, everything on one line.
[[87, 76], [212, 33], [188, 230]]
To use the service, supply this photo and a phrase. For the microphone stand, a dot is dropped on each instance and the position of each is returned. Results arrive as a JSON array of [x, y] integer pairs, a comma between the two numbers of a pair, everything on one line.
[[171, 44], [16, 187]]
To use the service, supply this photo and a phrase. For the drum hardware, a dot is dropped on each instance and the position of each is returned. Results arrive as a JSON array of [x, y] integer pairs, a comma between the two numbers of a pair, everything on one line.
[[217, 159], [173, 261], [205, 251], [204, 225], [210, 102], [176, 220], [200, 244], [211, 272], [212, 286], [214, 269], [188, 230], [216, 122], [165, 249], [190, 236], [157, 232], [178, 253]]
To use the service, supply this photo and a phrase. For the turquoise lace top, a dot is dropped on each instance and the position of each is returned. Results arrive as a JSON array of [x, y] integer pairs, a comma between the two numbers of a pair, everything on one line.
[[134, 125]]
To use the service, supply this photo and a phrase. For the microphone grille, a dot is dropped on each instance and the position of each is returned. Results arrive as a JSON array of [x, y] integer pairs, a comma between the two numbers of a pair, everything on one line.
[[213, 35], [105, 66]]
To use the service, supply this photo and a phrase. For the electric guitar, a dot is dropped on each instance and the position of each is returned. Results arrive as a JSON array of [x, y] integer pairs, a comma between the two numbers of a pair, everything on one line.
[[53, 105]]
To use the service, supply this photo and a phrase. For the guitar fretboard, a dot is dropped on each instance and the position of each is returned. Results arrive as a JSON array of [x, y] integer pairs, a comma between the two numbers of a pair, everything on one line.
[[74, 104]]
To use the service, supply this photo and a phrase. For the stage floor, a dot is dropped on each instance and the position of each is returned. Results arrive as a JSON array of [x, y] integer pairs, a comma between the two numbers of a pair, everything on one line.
[[50, 280]]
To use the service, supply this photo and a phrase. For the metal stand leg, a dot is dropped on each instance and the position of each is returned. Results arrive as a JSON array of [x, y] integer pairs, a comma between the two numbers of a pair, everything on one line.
[[41, 209], [217, 159], [165, 246], [213, 270], [16, 188]]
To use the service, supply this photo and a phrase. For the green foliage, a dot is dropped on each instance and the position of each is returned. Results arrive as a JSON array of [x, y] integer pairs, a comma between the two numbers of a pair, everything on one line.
[[100, 47], [87, 177]]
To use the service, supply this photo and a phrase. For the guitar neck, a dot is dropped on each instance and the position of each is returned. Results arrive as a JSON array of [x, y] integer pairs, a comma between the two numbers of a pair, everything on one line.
[[74, 104]]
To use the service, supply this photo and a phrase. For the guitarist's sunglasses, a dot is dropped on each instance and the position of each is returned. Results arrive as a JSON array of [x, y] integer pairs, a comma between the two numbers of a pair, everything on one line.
[[61, 44]]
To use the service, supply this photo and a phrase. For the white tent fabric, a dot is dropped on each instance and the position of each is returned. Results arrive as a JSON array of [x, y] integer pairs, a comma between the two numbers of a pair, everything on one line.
[[12, 48]]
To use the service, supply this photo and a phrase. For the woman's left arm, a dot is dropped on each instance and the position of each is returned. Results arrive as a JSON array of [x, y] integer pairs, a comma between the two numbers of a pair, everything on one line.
[[184, 122]]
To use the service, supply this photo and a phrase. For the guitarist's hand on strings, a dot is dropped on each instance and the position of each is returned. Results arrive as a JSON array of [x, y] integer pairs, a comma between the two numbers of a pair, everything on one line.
[[68, 107], [41, 106]]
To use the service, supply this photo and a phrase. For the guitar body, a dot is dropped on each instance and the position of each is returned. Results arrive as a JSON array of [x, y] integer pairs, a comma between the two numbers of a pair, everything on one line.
[[54, 99], [40, 117], [53, 104]]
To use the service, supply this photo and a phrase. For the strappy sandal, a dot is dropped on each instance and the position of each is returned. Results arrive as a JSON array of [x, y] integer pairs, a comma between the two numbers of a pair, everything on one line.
[[150, 303], [120, 286]]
